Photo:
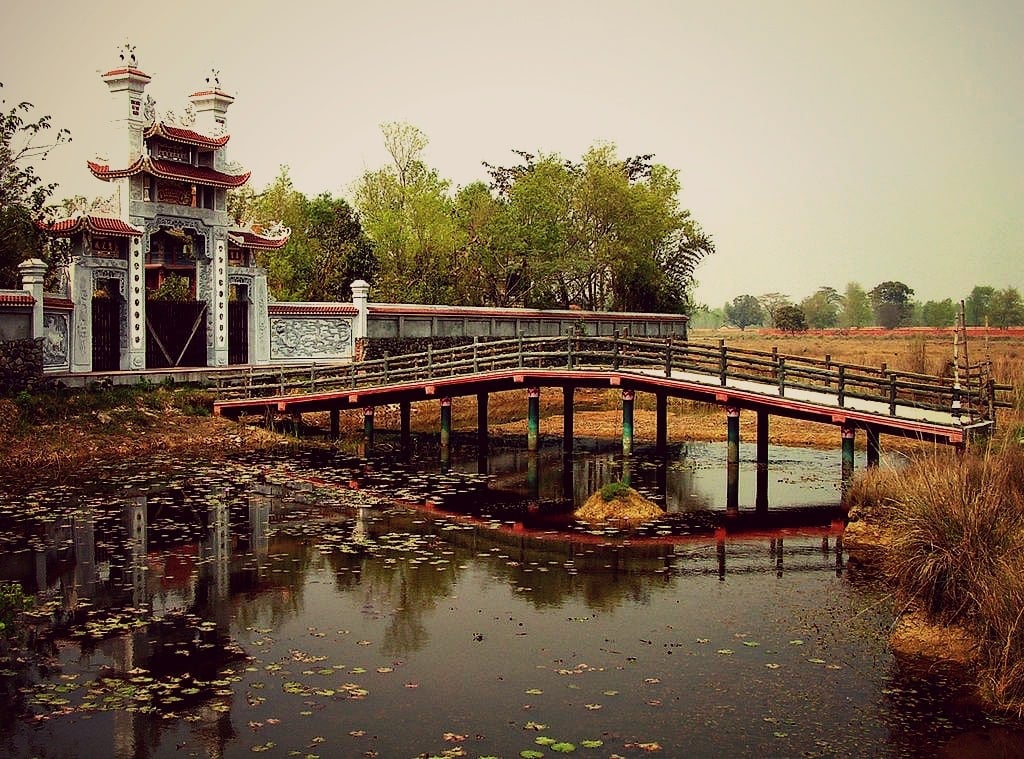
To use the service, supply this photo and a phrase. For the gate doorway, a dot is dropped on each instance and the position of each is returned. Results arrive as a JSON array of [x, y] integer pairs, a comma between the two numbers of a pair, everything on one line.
[[175, 334], [106, 332], [238, 327]]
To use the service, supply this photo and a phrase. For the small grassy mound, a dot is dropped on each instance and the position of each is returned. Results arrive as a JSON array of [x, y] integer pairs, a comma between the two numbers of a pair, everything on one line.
[[620, 502]]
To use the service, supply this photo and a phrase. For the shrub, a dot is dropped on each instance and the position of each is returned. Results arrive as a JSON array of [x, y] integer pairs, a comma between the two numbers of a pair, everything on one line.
[[615, 491]]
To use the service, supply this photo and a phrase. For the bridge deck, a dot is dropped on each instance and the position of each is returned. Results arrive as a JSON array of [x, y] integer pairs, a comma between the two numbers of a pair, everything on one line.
[[812, 405]]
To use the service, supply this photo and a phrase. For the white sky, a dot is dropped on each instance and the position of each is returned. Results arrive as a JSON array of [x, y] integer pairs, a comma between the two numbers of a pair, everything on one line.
[[818, 142]]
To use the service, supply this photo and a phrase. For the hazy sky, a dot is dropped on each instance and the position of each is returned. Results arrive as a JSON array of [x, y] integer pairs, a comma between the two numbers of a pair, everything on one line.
[[818, 142]]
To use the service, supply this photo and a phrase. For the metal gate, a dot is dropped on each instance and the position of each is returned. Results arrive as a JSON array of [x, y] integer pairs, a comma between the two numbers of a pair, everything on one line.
[[175, 334], [238, 332], [106, 334]]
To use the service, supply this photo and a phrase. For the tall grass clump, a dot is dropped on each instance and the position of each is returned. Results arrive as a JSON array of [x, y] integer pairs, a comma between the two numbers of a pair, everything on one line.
[[957, 552]]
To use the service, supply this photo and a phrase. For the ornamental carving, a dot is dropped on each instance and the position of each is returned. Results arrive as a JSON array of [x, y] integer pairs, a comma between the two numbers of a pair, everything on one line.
[[56, 342], [310, 338], [173, 192], [175, 222]]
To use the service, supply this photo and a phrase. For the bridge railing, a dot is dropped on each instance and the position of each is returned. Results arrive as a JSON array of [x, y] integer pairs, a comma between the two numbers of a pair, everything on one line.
[[975, 390]]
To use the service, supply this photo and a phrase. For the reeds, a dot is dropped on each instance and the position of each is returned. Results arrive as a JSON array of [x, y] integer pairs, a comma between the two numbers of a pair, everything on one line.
[[957, 551]]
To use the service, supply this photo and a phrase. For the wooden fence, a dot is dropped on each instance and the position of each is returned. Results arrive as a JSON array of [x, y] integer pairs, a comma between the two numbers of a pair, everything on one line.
[[978, 393]]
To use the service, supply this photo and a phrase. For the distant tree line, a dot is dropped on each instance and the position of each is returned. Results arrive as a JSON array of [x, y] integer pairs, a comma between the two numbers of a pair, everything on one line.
[[889, 304]]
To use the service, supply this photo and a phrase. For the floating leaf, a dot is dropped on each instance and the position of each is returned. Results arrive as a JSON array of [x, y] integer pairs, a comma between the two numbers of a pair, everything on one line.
[[563, 747]]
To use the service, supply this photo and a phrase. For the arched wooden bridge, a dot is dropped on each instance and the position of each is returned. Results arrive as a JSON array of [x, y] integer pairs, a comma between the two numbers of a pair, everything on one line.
[[853, 397]]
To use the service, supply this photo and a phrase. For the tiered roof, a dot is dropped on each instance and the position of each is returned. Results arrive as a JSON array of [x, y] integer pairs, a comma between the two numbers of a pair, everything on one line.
[[185, 136], [182, 172], [253, 240], [98, 225]]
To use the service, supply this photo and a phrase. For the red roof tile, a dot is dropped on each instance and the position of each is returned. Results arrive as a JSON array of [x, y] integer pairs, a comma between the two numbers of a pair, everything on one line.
[[171, 170], [248, 239], [54, 301], [100, 225], [220, 92], [311, 309], [15, 298], [186, 136], [128, 70]]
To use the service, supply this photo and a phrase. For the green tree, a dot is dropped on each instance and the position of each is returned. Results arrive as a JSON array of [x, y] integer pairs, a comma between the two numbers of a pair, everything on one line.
[[856, 307], [821, 309], [941, 313], [23, 195], [1006, 308], [978, 304], [891, 303], [790, 318], [744, 311], [771, 303], [339, 251]]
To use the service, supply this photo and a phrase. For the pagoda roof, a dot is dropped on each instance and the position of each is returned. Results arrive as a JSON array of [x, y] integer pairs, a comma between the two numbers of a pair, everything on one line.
[[127, 70], [171, 170], [185, 136], [98, 225], [250, 238]]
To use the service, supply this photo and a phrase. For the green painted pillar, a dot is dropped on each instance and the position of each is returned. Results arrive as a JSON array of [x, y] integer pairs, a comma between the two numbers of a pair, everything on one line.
[[446, 422], [627, 422], [661, 422], [532, 418], [761, 497], [481, 423], [874, 449], [533, 476], [335, 423], [568, 422], [627, 472], [405, 415], [848, 440], [368, 425], [732, 465]]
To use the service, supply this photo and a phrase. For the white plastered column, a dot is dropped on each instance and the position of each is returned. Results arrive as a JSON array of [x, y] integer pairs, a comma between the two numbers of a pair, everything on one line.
[[136, 305], [81, 318], [259, 335], [217, 353]]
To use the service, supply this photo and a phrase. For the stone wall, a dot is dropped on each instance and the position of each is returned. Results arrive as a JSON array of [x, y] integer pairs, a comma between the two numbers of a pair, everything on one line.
[[21, 365], [310, 338]]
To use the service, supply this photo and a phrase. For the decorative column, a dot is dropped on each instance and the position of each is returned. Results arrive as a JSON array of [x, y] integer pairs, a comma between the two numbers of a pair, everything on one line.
[[81, 288], [360, 299], [218, 351], [368, 425], [136, 304], [259, 335], [532, 418], [732, 467], [627, 421], [848, 434], [32, 272], [446, 421]]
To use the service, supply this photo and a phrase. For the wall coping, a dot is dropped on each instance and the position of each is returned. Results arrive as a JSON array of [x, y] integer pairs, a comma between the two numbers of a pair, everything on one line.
[[406, 309]]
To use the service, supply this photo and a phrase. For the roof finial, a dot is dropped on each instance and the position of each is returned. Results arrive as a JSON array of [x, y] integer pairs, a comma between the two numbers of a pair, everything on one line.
[[128, 55], [214, 78]]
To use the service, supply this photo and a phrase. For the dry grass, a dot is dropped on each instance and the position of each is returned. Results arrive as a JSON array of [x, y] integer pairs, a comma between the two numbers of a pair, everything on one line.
[[627, 506], [956, 551]]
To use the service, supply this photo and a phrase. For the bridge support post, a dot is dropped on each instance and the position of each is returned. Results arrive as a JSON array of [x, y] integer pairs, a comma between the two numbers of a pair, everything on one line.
[[732, 466], [405, 416], [874, 449], [368, 425], [533, 476], [661, 422], [532, 418], [481, 423], [627, 421], [335, 423], [568, 422], [446, 422], [848, 434], [761, 498]]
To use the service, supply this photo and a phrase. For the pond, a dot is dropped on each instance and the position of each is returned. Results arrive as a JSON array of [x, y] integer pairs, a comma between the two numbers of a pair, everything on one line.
[[312, 603]]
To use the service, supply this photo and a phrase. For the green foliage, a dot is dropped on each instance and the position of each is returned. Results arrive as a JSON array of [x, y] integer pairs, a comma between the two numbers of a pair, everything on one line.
[[978, 304], [891, 303], [744, 311], [940, 313], [615, 491], [13, 601], [1006, 308], [603, 233], [193, 402], [771, 303], [174, 288], [790, 318], [821, 310], [856, 308], [23, 194], [326, 250]]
